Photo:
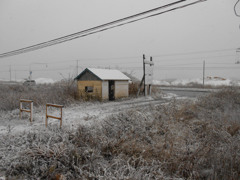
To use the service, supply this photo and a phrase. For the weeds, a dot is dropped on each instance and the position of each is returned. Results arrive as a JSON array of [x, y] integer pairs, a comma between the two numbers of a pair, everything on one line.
[[133, 89], [62, 93], [178, 140]]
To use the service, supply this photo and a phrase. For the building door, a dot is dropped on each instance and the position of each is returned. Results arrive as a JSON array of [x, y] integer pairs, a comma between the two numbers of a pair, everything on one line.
[[111, 90]]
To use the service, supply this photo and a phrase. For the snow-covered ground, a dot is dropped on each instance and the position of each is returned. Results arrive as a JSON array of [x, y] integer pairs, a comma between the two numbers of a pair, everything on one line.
[[38, 81], [44, 81], [212, 81], [85, 113]]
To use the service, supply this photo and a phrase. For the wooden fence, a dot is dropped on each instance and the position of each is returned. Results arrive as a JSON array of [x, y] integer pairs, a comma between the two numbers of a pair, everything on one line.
[[54, 117], [26, 110]]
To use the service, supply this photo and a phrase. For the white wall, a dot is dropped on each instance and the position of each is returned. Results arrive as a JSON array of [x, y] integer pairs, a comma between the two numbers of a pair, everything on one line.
[[121, 89], [104, 89]]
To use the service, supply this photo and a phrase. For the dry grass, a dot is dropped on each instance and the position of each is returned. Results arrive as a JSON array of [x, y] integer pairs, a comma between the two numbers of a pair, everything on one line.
[[63, 93], [133, 89], [177, 140], [85, 96]]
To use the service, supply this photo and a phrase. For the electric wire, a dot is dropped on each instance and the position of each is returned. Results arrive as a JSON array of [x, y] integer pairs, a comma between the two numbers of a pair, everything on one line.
[[155, 57], [95, 29], [235, 8], [127, 58], [157, 62], [72, 36], [194, 52], [189, 68]]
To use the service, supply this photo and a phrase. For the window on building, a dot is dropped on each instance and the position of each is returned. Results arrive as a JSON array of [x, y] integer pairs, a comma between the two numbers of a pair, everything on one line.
[[88, 89]]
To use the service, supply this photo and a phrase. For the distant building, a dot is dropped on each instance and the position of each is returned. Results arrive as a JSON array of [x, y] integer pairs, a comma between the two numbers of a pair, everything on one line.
[[103, 84]]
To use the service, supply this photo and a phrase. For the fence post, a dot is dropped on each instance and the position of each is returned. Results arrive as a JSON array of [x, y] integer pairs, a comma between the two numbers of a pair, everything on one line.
[[26, 110], [31, 113], [20, 109], [61, 119], [46, 122], [54, 117]]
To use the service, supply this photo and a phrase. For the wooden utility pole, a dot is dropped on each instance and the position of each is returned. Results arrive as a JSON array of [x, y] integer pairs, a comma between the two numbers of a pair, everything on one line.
[[77, 67], [144, 75], [150, 86], [237, 56], [143, 81], [10, 71], [203, 73]]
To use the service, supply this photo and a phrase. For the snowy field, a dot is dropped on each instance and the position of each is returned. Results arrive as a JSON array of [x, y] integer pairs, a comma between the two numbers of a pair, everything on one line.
[[111, 134], [160, 137], [88, 113], [210, 81], [85, 113]]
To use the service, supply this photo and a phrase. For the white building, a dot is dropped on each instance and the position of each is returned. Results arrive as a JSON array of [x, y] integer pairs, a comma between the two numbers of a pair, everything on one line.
[[104, 84]]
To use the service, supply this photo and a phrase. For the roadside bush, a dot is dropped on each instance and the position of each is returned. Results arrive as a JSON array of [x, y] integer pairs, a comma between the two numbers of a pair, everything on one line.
[[178, 140], [63, 154], [133, 89], [58, 93], [222, 100], [86, 96]]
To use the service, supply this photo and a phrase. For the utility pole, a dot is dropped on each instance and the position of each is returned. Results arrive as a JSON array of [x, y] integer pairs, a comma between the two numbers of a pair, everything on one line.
[[144, 75], [150, 86], [10, 71], [203, 72], [77, 67], [30, 72], [237, 56], [143, 81]]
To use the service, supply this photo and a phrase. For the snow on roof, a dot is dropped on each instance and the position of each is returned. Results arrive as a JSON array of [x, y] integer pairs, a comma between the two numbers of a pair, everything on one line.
[[109, 74]]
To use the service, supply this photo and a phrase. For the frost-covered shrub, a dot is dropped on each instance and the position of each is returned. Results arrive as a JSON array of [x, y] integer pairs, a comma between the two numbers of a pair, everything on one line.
[[58, 93], [177, 140]]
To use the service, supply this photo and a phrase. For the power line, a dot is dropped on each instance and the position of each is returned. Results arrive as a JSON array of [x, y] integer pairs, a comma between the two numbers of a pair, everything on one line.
[[162, 67], [235, 9], [191, 58], [103, 27], [187, 64], [136, 62], [138, 57], [86, 32], [183, 67], [194, 52], [102, 59]]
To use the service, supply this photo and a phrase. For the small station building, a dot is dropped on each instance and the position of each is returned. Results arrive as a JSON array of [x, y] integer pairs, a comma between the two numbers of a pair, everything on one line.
[[103, 84]]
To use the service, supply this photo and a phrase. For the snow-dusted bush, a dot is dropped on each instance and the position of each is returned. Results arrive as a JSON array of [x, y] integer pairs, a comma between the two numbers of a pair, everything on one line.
[[58, 93], [177, 140]]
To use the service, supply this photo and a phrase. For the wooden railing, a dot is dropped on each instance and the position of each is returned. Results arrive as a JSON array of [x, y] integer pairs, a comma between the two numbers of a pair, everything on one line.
[[26, 110], [54, 117]]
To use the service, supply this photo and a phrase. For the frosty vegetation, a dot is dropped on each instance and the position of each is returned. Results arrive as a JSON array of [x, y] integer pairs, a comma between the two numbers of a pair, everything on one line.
[[182, 139], [63, 93], [210, 82]]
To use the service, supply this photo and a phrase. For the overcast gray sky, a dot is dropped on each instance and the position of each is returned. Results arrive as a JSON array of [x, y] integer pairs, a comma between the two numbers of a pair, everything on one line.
[[172, 38]]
